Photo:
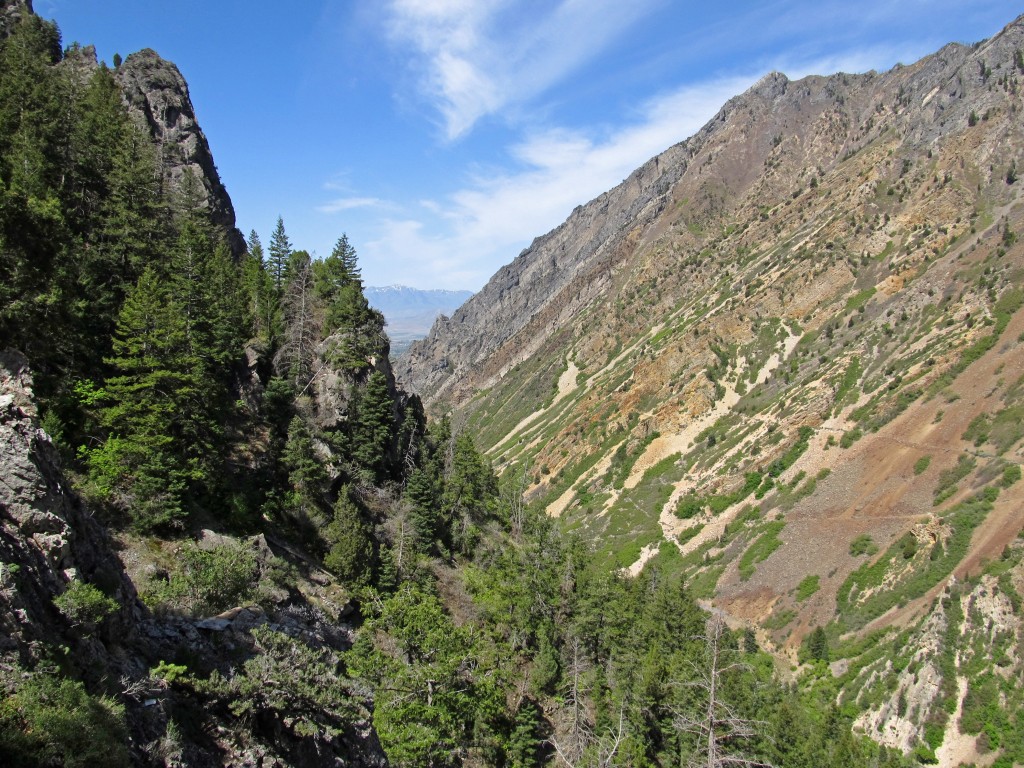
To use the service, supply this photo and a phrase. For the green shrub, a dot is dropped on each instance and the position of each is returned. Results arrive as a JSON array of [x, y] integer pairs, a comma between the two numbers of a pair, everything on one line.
[[51, 720], [921, 465], [84, 605], [863, 545], [761, 549], [849, 438], [1011, 475], [807, 587], [208, 580]]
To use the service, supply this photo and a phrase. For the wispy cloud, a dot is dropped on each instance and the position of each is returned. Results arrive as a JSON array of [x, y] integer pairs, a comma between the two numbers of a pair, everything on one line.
[[477, 58], [461, 240], [348, 203]]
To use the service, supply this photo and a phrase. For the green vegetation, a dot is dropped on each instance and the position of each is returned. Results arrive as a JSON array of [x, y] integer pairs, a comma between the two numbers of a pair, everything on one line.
[[859, 599], [208, 581], [863, 545], [949, 478], [807, 587], [84, 605], [52, 720], [761, 549], [191, 385]]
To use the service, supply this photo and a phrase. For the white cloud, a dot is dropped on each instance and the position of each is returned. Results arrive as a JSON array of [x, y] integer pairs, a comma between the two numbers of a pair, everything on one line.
[[348, 203], [478, 58], [468, 235], [459, 240]]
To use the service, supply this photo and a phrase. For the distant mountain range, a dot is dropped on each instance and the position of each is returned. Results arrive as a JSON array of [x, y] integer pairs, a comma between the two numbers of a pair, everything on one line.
[[410, 312]]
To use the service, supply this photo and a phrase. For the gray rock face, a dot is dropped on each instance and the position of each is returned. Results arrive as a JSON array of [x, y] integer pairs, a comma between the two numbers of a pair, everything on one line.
[[11, 12], [157, 96], [44, 529]]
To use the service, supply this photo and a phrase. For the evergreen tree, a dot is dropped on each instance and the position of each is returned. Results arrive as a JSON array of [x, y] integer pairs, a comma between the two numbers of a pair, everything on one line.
[[34, 237], [278, 253], [421, 493], [817, 645], [347, 314], [351, 544], [373, 427], [469, 491], [140, 466], [264, 300]]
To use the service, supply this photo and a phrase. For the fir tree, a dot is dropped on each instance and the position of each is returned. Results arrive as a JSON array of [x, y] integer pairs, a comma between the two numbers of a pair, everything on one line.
[[278, 253], [351, 545], [373, 427], [140, 466], [264, 300]]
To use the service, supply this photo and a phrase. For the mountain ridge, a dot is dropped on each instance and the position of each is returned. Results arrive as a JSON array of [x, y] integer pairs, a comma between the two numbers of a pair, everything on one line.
[[773, 359]]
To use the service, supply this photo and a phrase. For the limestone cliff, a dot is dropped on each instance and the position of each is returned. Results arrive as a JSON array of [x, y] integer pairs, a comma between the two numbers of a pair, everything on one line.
[[157, 96]]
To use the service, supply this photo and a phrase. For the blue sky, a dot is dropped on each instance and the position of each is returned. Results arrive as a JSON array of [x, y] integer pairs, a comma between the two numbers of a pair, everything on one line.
[[444, 135]]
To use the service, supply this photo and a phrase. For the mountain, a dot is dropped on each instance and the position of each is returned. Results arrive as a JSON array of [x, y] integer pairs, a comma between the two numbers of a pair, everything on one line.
[[783, 358], [411, 312], [773, 462]]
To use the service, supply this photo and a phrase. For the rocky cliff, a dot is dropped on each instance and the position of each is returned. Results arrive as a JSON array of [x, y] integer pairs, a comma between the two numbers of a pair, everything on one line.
[[157, 96], [57, 569], [11, 12]]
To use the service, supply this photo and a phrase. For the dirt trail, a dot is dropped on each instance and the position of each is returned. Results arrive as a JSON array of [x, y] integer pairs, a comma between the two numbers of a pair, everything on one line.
[[566, 385]]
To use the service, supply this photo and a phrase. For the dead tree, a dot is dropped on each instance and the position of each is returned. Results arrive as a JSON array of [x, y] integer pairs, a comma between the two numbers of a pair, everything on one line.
[[582, 745], [302, 318], [718, 729]]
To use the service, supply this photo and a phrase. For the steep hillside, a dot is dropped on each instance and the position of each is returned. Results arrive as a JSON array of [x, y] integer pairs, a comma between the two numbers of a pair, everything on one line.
[[784, 357]]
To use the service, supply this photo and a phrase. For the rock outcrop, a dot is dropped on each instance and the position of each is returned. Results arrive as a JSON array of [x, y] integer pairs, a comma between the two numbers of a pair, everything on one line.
[[157, 96], [49, 541], [47, 537], [11, 12]]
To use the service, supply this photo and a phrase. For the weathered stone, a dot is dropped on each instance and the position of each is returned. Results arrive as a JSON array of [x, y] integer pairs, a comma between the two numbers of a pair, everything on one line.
[[157, 96], [11, 12]]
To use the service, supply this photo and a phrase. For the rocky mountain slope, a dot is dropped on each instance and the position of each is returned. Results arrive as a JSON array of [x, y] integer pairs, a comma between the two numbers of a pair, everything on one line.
[[785, 357], [157, 97]]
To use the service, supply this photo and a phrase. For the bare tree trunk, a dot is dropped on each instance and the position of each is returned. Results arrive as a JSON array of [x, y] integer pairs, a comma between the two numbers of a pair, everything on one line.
[[718, 724]]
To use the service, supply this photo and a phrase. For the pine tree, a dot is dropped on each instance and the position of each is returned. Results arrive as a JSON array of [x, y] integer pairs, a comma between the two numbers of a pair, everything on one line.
[[278, 253], [347, 314], [421, 493], [351, 545], [373, 427], [817, 645], [140, 466], [33, 145], [264, 300], [306, 474]]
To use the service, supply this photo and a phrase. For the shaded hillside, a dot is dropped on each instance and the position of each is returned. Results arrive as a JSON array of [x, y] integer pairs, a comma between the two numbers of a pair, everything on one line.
[[783, 358]]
